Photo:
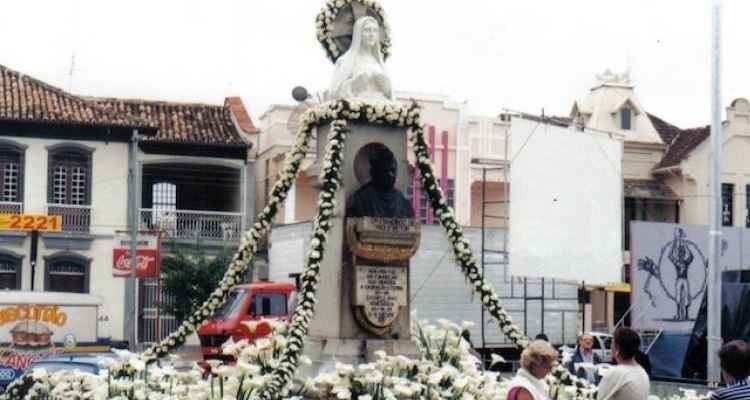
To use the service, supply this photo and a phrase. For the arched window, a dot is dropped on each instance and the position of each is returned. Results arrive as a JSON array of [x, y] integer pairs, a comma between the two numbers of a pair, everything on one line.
[[10, 271], [164, 197], [69, 175], [11, 176], [67, 272], [164, 206]]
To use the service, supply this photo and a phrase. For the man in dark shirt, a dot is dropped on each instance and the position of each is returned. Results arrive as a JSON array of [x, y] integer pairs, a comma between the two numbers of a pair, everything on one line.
[[735, 368]]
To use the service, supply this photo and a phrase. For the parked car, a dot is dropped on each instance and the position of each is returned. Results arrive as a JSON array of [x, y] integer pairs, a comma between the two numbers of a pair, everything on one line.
[[84, 362], [246, 303], [603, 346]]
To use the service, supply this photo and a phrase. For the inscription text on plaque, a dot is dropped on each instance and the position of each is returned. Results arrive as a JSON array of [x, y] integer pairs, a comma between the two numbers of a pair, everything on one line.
[[381, 291]]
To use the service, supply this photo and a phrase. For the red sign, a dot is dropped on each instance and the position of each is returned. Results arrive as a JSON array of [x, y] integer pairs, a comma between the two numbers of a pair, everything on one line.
[[148, 255]]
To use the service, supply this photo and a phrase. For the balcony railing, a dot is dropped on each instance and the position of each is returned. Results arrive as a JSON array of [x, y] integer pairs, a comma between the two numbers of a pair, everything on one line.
[[76, 219], [190, 224], [7, 207]]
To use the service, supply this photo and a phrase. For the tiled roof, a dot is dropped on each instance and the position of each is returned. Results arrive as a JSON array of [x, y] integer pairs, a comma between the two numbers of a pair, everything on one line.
[[237, 107], [25, 99], [680, 142], [647, 189], [666, 130], [188, 123]]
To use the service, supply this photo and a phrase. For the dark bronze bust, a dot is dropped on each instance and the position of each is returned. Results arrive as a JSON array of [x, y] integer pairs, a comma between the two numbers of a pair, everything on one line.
[[379, 198]]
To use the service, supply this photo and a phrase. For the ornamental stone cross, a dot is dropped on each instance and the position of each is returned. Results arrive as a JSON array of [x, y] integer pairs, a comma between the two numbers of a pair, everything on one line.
[[343, 25]]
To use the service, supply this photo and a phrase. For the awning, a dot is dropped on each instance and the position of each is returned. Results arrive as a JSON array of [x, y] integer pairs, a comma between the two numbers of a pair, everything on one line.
[[648, 189], [619, 287]]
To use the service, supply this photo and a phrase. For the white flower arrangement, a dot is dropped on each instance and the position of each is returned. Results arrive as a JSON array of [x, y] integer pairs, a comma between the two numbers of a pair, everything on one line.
[[265, 369], [446, 369], [324, 27]]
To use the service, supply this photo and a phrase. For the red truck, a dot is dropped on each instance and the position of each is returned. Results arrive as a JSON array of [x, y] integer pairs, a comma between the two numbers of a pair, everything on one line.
[[246, 302]]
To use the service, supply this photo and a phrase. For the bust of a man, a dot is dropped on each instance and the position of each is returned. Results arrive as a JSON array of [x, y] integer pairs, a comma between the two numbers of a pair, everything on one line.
[[379, 198]]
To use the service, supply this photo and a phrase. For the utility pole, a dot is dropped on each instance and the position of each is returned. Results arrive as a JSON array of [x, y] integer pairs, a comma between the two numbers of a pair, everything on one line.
[[130, 323], [715, 234]]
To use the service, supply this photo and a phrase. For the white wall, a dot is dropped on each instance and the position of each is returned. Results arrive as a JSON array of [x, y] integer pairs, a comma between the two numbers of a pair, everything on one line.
[[566, 203], [108, 213]]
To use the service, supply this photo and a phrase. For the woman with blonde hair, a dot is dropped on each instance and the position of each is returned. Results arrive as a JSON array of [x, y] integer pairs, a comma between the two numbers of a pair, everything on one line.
[[537, 360]]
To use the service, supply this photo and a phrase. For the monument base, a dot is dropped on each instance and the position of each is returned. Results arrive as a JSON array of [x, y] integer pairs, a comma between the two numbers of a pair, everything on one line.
[[325, 352]]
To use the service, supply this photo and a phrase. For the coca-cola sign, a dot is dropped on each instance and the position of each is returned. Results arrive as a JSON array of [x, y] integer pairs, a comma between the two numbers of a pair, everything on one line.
[[147, 255]]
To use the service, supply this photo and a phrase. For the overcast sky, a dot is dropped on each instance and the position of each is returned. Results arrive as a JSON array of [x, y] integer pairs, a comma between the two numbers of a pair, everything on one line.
[[518, 54]]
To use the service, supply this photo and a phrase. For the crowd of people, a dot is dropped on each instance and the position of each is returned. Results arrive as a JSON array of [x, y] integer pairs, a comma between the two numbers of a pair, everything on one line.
[[629, 378]]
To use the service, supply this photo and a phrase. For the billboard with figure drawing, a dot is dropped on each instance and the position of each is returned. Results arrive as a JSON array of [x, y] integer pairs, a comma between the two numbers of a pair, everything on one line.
[[670, 272]]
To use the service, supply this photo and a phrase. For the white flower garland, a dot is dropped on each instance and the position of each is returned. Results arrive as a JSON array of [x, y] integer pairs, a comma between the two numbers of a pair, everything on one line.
[[403, 116], [279, 374], [305, 309], [390, 114], [324, 27], [248, 246]]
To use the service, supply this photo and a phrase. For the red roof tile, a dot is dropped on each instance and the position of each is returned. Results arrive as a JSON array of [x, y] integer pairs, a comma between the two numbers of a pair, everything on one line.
[[180, 122], [25, 99], [680, 142], [237, 107]]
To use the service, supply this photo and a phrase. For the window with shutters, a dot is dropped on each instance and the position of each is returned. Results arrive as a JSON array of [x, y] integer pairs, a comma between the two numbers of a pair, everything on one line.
[[69, 176], [67, 272], [11, 174], [10, 272]]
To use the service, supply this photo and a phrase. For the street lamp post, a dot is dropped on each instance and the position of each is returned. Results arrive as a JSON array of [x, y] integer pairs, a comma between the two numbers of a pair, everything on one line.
[[714, 243]]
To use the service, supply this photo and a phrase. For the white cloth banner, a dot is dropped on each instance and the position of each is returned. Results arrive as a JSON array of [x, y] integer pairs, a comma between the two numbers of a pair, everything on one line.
[[566, 203]]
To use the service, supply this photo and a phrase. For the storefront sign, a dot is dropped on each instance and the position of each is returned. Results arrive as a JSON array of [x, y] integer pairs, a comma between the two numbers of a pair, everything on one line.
[[32, 332], [147, 255], [28, 222]]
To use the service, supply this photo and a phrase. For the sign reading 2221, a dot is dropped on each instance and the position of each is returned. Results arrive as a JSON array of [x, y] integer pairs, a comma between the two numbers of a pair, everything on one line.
[[29, 222]]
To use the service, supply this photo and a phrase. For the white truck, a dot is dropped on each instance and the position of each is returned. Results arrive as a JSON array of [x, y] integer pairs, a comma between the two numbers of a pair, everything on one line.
[[37, 325]]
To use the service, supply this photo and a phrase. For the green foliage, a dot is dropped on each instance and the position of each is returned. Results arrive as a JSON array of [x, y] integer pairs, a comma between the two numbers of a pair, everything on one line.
[[189, 277]]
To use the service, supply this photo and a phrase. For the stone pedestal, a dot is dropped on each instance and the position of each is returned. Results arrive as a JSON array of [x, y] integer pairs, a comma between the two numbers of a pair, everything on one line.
[[335, 333]]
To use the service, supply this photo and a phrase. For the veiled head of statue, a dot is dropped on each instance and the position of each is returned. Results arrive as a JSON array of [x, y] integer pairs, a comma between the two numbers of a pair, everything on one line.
[[383, 168]]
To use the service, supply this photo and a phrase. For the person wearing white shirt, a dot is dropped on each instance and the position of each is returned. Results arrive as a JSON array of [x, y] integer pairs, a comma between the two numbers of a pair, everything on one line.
[[537, 360], [628, 380]]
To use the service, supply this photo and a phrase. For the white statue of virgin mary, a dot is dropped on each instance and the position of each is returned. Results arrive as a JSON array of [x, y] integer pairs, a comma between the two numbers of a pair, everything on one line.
[[360, 72]]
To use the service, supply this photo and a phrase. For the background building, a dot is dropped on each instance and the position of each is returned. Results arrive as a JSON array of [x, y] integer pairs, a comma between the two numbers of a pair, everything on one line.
[[67, 155], [460, 145]]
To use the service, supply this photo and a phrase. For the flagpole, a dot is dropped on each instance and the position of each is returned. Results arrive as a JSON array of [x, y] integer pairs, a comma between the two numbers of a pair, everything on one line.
[[715, 234]]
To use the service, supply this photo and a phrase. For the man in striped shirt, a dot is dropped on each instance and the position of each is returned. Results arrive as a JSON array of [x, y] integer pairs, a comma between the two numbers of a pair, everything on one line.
[[735, 366]]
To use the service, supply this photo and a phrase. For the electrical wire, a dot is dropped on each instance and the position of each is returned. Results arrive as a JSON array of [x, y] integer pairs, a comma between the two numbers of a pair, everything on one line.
[[437, 265]]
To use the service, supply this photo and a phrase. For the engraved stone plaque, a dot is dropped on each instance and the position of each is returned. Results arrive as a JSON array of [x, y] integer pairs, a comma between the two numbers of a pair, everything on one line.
[[383, 239], [381, 292]]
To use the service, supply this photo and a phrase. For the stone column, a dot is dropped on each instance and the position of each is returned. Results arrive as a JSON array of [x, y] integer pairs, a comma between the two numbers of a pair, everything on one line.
[[334, 332]]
